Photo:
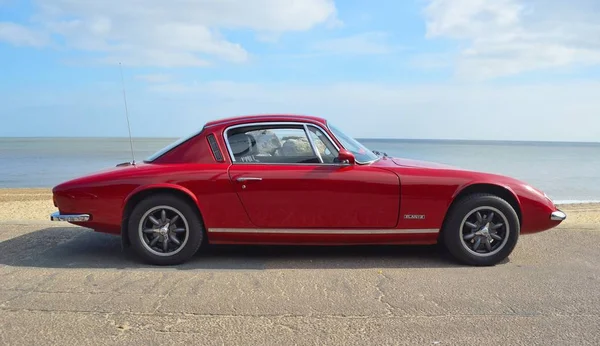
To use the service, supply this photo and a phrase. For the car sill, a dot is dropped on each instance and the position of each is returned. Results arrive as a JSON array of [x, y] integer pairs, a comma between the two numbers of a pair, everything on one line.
[[321, 231]]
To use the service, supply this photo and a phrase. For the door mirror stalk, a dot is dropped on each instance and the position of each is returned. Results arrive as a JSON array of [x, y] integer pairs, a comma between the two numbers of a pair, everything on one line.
[[345, 157]]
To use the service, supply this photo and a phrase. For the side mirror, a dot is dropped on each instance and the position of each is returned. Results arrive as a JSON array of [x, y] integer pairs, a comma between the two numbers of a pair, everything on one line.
[[345, 157]]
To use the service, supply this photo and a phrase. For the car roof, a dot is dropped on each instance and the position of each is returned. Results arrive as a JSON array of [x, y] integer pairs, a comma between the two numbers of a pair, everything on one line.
[[218, 124], [241, 119]]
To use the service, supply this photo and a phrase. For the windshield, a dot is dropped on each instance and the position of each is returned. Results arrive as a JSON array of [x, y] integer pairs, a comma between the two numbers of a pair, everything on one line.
[[361, 153]]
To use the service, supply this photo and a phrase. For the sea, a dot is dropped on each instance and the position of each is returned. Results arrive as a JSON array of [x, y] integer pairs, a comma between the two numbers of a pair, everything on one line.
[[567, 172]]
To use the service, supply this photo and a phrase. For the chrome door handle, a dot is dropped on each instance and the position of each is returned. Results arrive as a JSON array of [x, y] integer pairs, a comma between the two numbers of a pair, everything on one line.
[[248, 178]]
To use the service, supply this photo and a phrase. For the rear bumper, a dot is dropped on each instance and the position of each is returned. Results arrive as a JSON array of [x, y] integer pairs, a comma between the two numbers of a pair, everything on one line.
[[57, 216], [558, 216]]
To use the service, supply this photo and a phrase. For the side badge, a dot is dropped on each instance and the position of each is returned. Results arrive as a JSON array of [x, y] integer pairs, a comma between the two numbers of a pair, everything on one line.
[[411, 216]]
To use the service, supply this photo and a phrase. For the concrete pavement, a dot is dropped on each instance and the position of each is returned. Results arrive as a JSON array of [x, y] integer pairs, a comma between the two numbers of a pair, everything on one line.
[[71, 286]]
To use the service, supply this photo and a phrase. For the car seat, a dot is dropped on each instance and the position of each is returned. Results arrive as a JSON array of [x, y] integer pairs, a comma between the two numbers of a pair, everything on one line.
[[243, 147]]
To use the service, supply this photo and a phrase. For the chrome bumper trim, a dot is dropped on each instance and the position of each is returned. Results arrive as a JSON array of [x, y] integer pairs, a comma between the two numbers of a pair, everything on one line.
[[558, 216], [57, 216]]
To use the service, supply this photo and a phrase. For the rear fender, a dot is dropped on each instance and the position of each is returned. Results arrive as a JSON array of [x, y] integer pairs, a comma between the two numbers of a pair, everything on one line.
[[126, 206], [164, 186]]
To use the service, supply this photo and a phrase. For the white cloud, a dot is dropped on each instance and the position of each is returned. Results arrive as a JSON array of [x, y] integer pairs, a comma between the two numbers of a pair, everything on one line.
[[456, 111], [508, 37], [364, 43], [170, 33], [19, 35], [536, 111]]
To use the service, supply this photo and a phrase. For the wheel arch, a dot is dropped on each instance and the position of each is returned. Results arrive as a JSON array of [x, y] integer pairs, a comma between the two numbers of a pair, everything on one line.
[[143, 192], [494, 189]]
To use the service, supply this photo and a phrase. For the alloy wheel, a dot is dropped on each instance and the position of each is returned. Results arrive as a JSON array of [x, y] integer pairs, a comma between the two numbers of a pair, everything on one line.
[[484, 231], [164, 230]]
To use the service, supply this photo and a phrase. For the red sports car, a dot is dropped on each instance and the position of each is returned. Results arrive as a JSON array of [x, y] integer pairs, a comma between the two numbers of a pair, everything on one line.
[[290, 179]]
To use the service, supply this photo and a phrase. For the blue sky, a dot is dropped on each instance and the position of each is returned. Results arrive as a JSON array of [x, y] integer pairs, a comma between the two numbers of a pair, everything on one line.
[[463, 69]]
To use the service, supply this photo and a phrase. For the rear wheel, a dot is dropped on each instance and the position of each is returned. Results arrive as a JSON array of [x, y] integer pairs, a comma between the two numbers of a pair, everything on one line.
[[481, 230], [164, 230]]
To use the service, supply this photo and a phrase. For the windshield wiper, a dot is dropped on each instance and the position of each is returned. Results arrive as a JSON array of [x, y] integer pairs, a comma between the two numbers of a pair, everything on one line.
[[380, 153]]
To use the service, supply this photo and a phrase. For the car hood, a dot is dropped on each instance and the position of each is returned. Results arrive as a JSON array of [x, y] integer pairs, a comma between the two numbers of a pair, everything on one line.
[[473, 176], [420, 164]]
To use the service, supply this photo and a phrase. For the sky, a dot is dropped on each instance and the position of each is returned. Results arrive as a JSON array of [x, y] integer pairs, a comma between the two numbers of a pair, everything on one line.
[[422, 69]]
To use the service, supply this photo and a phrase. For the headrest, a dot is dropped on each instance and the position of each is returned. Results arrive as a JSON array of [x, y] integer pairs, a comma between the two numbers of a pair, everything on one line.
[[241, 144]]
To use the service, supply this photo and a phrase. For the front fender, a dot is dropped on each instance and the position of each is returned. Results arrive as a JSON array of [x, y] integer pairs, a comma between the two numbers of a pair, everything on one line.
[[500, 188], [532, 205], [471, 184]]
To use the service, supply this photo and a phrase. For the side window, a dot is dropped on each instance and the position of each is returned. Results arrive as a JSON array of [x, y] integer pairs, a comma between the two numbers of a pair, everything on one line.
[[271, 144], [326, 149]]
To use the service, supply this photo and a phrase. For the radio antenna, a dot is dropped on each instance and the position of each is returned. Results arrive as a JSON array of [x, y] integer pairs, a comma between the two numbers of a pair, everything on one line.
[[127, 116]]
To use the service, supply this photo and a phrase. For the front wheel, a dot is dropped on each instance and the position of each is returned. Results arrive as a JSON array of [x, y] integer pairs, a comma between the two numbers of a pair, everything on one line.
[[481, 230], [164, 230]]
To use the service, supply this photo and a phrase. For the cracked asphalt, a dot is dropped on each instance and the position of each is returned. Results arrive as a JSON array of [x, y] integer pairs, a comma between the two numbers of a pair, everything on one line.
[[71, 286]]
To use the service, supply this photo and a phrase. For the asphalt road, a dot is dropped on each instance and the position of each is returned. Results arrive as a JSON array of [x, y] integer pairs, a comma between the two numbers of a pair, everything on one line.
[[70, 286]]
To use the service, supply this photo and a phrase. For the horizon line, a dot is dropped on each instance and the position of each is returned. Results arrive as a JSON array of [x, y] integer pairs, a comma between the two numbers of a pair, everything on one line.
[[357, 138]]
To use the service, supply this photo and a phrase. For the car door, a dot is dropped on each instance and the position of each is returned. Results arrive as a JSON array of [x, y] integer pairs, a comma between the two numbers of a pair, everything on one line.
[[283, 182]]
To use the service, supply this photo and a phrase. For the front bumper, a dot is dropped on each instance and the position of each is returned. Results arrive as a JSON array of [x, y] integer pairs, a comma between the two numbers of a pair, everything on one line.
[[558, 216], [57, 216]]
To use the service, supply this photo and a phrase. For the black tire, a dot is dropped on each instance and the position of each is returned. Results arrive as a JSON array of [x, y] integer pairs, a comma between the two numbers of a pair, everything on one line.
[[188, 217], [464, 213]]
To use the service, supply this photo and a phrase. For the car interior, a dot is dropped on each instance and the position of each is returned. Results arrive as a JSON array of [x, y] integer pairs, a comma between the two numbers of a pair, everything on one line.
[[245, 149]]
